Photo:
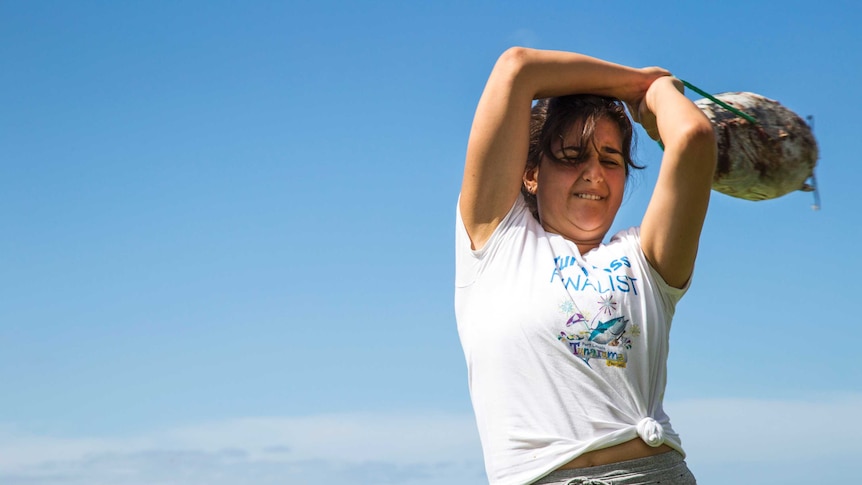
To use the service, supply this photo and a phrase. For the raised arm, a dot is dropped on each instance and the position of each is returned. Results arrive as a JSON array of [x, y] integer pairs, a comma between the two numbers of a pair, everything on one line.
[[499, 138], [674, 218]]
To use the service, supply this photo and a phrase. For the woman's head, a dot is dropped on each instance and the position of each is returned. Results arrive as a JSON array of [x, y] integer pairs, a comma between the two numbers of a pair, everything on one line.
[[573, 121]]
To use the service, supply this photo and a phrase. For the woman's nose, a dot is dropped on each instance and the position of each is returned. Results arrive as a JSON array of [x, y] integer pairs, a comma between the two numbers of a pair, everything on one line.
[[592, 171]]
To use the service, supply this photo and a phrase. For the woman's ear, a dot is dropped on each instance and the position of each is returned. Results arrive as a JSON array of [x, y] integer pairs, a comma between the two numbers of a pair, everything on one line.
[[531, 179]]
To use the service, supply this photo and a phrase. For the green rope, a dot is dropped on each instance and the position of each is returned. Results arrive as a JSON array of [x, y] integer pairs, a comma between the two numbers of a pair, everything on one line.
[[719, 102]]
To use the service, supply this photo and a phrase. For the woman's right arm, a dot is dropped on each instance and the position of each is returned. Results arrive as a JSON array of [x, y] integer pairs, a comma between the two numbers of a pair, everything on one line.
[[500, 136]]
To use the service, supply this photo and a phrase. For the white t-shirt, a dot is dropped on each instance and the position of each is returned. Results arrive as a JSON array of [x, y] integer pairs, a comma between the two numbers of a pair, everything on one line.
[[565, 353]]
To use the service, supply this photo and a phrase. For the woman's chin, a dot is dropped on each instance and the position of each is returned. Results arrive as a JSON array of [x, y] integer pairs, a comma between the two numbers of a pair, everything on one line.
[[583, 233], [592, 224], [579, 226]]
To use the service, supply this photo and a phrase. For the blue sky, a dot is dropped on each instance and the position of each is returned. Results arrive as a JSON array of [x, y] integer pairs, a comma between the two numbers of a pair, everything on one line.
[[228, 228]]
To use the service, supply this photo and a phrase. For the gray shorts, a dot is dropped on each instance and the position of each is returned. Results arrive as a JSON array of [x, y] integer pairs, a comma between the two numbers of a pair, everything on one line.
[[667, 468]]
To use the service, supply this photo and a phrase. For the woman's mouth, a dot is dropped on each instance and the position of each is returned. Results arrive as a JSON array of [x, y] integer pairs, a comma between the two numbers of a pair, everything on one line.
[[589, 196]]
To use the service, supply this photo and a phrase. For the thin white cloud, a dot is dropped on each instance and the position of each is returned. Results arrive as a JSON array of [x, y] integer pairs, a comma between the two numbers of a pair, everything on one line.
[[414, 449], [424, 448], [752, 430]]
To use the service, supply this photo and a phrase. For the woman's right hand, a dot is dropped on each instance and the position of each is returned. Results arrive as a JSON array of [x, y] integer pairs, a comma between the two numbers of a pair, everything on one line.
[[637, 92]]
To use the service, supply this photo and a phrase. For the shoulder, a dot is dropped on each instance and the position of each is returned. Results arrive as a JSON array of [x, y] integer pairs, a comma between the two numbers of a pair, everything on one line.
[[518, 217], [627, 243], [627, 235], [513, 236], [625, 240]]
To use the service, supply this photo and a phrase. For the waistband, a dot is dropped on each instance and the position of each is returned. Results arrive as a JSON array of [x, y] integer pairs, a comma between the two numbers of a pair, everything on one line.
[[651, 469]]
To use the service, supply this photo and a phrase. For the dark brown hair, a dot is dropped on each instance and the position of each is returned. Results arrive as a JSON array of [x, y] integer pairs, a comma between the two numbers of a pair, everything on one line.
[[551, 118]]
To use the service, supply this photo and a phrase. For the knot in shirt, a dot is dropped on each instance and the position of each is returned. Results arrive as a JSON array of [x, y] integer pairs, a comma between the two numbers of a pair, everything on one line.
[[651, 432]]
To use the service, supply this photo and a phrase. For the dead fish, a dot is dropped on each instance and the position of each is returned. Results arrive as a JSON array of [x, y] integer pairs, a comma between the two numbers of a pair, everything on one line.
[[763, 160]]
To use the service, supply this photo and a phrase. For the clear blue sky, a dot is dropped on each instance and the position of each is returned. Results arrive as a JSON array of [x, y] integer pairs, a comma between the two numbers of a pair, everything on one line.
[[227, 252]]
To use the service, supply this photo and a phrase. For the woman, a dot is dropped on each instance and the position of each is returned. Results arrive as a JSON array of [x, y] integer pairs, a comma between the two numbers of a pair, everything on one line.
[[566, 336]]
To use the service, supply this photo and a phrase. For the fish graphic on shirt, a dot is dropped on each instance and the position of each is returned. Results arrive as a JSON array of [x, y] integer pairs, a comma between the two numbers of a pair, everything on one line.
[[606, 332]]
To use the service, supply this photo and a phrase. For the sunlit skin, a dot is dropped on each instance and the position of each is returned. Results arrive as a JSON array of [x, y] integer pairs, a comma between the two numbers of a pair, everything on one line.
[[579, 199]]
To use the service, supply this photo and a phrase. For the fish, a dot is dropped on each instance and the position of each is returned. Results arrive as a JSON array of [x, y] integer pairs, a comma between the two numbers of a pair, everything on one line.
[[763, 160], [609, 331]]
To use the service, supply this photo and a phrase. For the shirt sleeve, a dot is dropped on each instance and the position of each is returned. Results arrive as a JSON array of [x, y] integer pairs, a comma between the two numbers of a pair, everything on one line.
[[670, 295], [468, 261]]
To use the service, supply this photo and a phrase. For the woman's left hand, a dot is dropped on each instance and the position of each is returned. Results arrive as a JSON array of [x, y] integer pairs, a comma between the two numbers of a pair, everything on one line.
[[671, 226], [642, 113]]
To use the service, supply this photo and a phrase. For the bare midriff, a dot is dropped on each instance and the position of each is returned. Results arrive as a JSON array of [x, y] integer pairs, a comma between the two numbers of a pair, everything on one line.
[[630, 450]]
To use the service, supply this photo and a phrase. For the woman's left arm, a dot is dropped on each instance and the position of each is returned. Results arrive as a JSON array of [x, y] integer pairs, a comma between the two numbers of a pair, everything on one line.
[[674, 218]]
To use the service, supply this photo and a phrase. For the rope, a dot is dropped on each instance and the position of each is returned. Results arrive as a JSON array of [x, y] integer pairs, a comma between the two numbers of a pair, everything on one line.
[[719, 102]]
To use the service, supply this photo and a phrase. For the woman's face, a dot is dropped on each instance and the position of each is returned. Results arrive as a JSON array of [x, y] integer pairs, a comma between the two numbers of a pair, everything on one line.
[[579, 200]]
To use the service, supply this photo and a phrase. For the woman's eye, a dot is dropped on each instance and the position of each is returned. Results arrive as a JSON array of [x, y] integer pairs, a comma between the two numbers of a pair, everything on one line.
[[611, 162]]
